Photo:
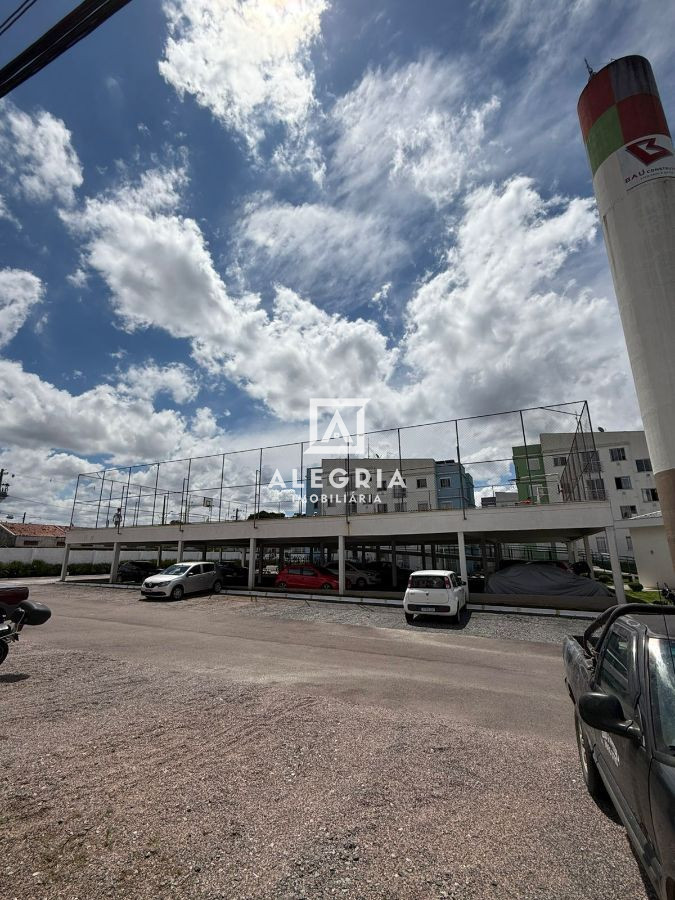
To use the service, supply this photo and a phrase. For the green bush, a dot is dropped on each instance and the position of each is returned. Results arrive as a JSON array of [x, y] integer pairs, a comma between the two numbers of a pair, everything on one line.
[[35, 569], [634, 586], [604, 578], [88, 568]]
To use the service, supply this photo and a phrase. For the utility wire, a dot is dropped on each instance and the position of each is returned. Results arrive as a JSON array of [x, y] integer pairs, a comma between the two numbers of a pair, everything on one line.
[[16, 15], [84, 19]]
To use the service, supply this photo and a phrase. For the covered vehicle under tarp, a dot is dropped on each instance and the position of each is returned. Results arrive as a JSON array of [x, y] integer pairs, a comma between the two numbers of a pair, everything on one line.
[[542, 579]]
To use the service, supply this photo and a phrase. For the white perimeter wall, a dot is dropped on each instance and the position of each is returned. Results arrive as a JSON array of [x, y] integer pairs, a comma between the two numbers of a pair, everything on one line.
[[55, 555]]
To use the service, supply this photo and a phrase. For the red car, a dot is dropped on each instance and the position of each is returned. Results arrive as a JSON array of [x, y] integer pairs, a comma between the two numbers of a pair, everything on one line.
[[306, 576]]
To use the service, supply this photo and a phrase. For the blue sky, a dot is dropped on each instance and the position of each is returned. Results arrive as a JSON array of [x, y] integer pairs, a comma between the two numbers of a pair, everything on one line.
[[213, 210]]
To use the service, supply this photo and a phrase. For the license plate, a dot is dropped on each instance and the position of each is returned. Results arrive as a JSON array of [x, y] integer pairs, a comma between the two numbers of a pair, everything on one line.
[[428, 609]]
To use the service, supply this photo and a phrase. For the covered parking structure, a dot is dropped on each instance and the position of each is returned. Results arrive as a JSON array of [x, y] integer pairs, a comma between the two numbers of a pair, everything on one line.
[[432, 531]]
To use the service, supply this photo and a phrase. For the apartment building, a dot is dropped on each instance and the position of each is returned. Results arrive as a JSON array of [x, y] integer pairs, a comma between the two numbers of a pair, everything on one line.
[[620, 471], [361, 486]]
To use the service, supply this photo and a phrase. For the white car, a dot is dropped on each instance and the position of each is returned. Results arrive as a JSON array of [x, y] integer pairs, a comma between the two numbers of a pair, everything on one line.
[[181, 579], [434, 592]]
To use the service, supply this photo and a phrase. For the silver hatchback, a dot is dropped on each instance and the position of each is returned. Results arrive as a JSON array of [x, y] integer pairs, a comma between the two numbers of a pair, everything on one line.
[[181, 579]]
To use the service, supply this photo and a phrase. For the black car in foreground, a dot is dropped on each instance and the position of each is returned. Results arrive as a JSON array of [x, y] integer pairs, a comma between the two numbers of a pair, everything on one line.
[[621, 677], [135, 571]]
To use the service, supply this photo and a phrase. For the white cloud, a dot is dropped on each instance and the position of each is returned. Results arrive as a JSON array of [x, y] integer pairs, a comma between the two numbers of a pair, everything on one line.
[[509, 325], [247, 62], [6, 213], [20, 291], [37, 156], [409, 128], [320, 249], [78, 278], [150, 379]]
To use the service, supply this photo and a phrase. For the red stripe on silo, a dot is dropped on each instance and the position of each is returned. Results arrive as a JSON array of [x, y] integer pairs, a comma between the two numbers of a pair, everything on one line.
[[596, 98], [641, 114]]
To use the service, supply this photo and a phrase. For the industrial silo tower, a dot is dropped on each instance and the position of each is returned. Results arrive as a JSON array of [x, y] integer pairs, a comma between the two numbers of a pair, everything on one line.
[[631, 157]]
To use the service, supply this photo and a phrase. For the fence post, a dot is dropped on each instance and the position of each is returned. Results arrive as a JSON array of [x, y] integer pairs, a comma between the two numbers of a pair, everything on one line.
[[126, 498], [220, 501], [154, 499], [459, 470], [72, 514], [100, 497], [187, 492], [527, 457]]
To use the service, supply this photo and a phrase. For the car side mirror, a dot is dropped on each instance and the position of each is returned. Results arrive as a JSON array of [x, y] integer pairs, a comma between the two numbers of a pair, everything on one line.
[[463, 582], [604, 712]]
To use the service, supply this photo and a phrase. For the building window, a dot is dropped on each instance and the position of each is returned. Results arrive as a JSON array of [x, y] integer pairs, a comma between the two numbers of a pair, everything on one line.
[[398, 491], [31, 543], [534, 463], [422, 506], [380, 507], [623, 483], [596, 489], [591, 460], [559, 460], [400, 506], [445, 482], [617, 454], [421, 482], [628, 511], [601, 543], [650, 495], [643, 465], [629, 542]]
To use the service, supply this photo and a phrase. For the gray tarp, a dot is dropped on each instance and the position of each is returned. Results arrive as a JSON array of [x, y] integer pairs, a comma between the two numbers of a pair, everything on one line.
[[536, 578]]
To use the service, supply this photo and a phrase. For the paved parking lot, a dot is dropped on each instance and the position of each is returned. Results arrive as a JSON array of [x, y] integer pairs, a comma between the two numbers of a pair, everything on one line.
[[220, 747]]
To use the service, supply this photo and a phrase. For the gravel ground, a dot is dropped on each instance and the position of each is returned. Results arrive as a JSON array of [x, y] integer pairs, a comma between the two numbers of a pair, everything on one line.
[[124, 780]]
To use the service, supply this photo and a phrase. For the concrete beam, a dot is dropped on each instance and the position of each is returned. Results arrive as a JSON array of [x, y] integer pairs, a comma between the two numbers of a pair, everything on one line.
[[461, 549]]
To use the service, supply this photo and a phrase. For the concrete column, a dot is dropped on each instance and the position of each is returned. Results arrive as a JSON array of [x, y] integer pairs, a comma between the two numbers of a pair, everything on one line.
[[483, 556], [115, 562], [588, 555], [394, 574], [342, 579], [571, 555], [616, 565], [423, 555], [251, 563], [64, 564], [461, 549], [261, 560], [433, 556], [204, 551], [179, 552]]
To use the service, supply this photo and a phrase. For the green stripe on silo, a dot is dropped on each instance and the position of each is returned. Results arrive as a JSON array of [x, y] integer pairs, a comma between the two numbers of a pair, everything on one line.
[[604, 138]]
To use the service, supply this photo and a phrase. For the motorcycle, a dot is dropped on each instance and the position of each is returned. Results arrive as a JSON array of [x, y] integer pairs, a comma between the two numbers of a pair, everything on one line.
[[16, 610], [667, 593]]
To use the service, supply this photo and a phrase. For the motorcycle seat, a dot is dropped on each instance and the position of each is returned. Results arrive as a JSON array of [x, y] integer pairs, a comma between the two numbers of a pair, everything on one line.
[[11, 594]]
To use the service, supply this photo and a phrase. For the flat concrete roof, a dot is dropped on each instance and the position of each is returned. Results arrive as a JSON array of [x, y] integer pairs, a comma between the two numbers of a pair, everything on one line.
[[509, 524]]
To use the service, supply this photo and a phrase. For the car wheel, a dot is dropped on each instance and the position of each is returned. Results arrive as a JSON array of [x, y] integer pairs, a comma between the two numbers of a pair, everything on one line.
[[326, 586], [282, 585], [409, 617], [178, 592], [589, 770], [217, 587]]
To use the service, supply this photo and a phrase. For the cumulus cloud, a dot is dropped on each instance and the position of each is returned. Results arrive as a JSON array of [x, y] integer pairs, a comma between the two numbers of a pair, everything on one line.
[[38, 159], [511, 328], [20, 291], [149, 380], [248, 63]]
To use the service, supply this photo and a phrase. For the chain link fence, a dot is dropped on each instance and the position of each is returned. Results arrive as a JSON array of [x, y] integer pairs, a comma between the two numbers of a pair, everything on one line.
[[523, 457]]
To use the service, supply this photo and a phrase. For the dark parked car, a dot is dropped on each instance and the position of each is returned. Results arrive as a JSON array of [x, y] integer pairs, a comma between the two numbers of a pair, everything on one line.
[[621, 677], [136, 571], [231, 573], [307, 576]]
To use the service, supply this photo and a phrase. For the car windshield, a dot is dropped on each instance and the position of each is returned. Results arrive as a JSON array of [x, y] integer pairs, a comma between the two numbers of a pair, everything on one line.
[[175, 570], [662, 677]]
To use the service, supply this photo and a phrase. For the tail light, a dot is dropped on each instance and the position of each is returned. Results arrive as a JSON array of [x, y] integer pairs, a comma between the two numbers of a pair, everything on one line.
[[447, 581], [410, 584]]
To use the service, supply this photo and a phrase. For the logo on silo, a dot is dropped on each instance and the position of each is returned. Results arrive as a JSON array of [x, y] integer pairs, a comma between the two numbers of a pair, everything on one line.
[[648, 151]]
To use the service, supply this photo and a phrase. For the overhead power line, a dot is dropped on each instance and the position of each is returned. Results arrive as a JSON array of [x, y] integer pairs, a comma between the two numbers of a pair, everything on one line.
[[84, 19], [16, 15]]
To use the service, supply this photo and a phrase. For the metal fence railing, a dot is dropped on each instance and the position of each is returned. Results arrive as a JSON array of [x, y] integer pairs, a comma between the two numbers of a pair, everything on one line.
[[524, 457]]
